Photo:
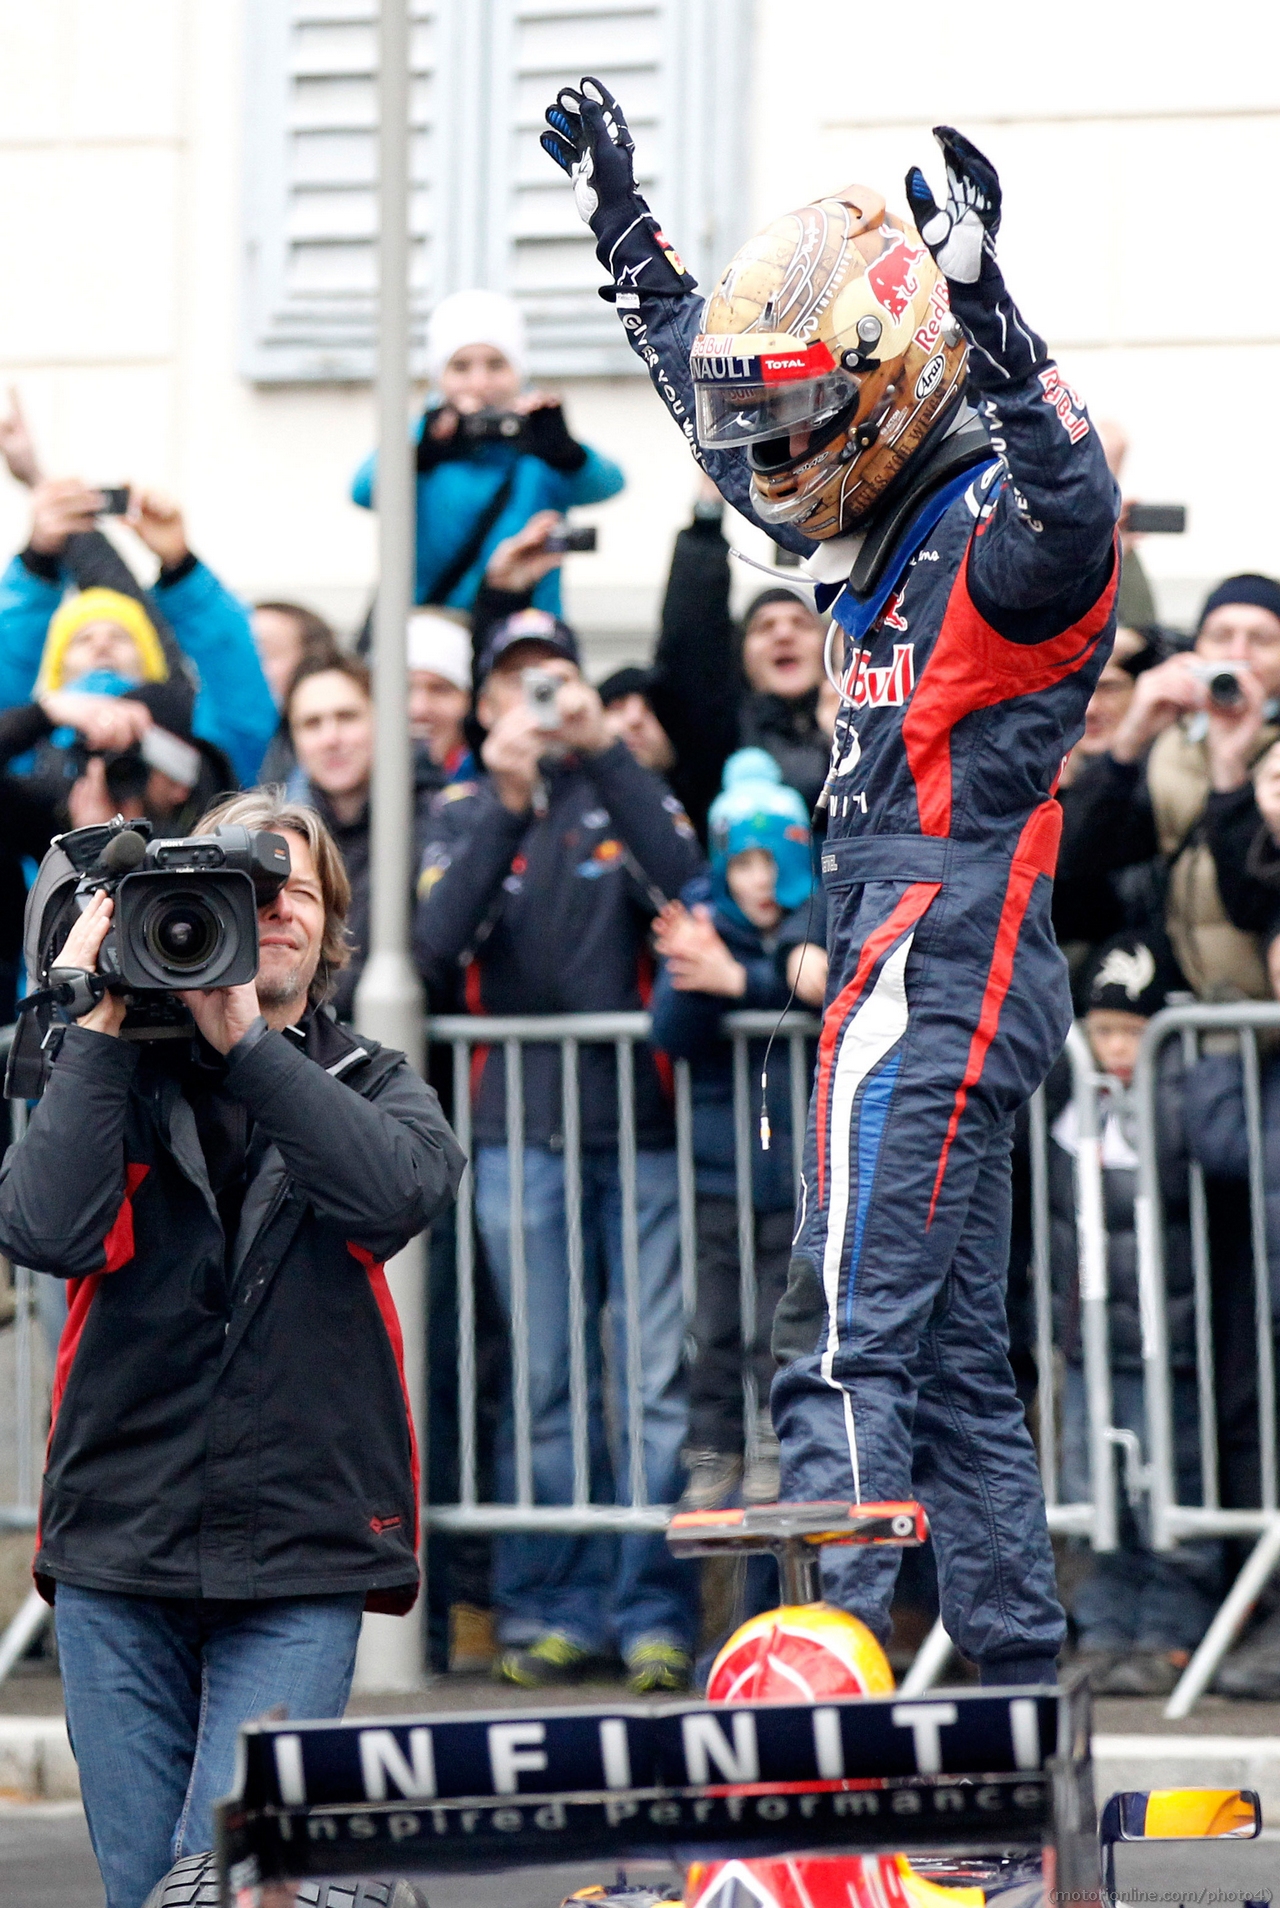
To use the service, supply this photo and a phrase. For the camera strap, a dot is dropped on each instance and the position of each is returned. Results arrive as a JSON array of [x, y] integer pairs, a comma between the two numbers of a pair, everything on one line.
[[447, 582], [74, 988]]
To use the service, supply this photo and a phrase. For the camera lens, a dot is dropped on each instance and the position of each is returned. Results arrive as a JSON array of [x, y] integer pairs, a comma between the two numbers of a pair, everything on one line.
[[182, 932], [1225, 690]]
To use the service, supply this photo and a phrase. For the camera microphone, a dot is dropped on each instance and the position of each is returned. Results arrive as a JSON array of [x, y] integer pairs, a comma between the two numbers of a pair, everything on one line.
[[124, 852]]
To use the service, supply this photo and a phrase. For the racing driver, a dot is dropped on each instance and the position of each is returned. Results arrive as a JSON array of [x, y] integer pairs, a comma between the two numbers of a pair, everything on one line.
[[867, 391]]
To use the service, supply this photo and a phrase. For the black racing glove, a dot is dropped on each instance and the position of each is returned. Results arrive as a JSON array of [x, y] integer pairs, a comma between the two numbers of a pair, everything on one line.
[[961, 238], [590, 140], [546, 437]]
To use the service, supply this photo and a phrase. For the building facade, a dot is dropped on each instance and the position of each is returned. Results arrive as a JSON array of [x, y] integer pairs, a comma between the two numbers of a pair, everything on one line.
[[187, 213]]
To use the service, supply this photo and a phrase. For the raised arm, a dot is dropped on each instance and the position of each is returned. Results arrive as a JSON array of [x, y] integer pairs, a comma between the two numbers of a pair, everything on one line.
[[1048, 550], [696, 688], [589, 138]]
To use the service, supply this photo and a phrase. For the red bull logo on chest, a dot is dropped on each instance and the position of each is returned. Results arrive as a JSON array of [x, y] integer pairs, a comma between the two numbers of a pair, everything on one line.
[[882, 686]]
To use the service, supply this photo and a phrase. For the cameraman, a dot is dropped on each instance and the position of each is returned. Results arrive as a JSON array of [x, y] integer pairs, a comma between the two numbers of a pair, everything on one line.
[[474, 491], [231, 1477], [1153, 804]]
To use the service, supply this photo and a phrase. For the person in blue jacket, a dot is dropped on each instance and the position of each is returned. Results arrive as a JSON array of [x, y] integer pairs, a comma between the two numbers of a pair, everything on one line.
[[740, 937], [191, 615], [475, 490]]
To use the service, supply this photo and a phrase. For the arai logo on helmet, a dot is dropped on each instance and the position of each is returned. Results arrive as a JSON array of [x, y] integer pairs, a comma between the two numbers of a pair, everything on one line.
[[930, 377]]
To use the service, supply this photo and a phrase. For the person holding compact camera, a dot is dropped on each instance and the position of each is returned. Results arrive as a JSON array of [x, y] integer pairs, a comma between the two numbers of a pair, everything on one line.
[[231, 1476], [1153, 809], [541, 879], [489, 453]]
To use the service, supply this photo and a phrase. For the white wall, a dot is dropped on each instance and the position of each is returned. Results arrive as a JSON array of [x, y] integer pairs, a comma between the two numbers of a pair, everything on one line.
[[1137, 144]]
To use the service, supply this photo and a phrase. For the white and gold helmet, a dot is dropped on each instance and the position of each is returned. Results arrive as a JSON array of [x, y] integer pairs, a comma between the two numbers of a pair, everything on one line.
[[828, 352]]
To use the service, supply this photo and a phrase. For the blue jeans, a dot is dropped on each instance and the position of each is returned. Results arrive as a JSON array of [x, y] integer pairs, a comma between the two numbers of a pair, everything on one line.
[[1136, 1598], [156, 1689], [596, 1590]]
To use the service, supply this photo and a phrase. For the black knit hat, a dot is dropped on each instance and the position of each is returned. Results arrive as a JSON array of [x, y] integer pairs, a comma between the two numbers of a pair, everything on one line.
[[1126, 975], [774, 595], [1261, 592], [630, 680]]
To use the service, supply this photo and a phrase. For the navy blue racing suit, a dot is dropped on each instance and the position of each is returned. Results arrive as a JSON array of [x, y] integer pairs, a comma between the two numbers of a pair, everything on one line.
[[966, 670]]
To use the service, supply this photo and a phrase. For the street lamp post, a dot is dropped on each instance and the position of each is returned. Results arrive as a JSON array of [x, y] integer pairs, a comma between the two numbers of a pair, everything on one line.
[[389, 998]]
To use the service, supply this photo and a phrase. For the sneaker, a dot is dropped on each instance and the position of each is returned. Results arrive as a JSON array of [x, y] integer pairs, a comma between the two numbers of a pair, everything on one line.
[[714, 1477], [1252, 1673], [654, 1664], [1144, 1673], [554, 1658], [763, 1478]]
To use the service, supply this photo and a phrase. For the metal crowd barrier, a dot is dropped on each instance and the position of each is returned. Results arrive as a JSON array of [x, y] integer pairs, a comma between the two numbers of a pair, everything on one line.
[[1095, 1518], [1171, 1519], [463, 1034]]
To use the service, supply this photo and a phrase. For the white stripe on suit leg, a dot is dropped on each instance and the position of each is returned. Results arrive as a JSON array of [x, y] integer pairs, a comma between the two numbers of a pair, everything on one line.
[[874, 1030]]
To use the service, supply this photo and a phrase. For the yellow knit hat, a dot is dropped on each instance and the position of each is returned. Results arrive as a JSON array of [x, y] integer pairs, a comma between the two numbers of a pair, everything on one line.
[[100, 606]]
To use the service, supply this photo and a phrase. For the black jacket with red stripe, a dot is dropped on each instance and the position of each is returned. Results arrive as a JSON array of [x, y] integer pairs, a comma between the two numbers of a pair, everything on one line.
[[229, 1422]]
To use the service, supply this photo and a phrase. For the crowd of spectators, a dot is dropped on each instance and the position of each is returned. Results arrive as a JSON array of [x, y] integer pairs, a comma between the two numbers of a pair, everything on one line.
[[651, 842]]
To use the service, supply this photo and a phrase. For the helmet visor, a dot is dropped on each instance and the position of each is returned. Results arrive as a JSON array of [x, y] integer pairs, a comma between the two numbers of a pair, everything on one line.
[[733, 413], [745, 394]]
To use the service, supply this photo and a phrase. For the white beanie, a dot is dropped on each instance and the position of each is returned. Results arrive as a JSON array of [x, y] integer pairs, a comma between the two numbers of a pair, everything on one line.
[[475, 317], [438, 644]]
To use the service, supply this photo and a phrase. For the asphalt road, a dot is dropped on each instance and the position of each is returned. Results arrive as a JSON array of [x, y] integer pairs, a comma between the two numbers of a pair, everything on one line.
[[46, 1862]]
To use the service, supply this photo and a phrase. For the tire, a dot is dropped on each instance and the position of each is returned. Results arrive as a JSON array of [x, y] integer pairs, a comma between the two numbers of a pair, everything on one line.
[[193, 1883]]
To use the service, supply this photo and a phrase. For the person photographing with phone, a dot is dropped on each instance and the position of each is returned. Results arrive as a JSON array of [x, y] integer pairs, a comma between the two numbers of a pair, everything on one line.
[[542, 881], [490, 454], [186, 629]]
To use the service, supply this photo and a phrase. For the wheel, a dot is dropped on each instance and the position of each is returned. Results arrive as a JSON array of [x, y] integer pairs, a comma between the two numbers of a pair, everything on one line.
[[193, 1883]]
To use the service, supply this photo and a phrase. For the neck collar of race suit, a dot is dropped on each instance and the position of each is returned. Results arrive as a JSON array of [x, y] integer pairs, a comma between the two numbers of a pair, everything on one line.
[[857, 614], [959, 451], [857, 559], [856, 563]]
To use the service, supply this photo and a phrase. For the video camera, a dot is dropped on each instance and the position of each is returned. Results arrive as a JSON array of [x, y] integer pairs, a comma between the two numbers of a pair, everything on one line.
[[186, 916]]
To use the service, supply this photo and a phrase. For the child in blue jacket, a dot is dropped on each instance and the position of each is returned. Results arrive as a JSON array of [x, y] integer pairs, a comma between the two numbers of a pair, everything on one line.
[[737, 939], [474, 491], [188, 617]]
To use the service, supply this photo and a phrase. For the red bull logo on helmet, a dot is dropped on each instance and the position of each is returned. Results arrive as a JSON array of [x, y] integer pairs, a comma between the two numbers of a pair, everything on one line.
[[893, 277]]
